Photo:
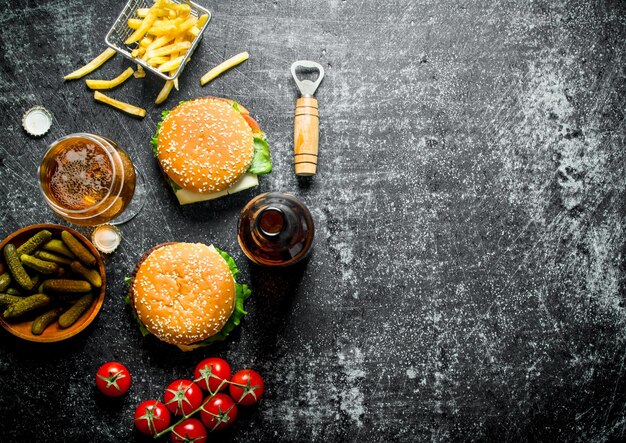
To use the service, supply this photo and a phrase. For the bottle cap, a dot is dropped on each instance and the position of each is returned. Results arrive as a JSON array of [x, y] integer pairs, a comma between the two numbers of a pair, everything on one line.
[[37, 121], [106, 238]]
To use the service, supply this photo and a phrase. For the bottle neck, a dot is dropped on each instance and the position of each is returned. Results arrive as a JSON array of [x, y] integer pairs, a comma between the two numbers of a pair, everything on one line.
[[271, 222]]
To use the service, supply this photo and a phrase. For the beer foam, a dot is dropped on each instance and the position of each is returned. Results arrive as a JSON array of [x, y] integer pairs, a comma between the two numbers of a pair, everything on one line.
[[82, 177]]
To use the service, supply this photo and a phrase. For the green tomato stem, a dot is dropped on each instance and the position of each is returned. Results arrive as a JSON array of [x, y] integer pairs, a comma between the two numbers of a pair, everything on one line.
[[241, 385], [200, 408]]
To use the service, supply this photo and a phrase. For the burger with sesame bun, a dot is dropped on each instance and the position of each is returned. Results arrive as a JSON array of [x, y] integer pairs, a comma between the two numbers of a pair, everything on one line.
[[210, 147], [186, 294]]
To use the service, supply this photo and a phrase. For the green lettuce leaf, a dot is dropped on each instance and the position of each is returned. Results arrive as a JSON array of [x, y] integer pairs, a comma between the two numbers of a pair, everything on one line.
[[173, 184], [242, 293], [261, 162], [155, 138], [144, 331], [231, 263]]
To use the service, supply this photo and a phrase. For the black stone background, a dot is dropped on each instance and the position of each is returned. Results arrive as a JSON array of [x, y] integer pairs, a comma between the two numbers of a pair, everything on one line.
[[467, 282]]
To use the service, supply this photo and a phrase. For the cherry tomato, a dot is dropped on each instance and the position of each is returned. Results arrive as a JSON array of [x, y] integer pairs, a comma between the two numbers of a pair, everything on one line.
[[219, 413], [182, 397], [252, 123], [151, 417], [210, 372], [188, 431], [248, 387], [113, 379]]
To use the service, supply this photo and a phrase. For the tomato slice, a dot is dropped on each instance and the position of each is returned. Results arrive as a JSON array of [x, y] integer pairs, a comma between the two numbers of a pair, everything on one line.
[[252, 123]]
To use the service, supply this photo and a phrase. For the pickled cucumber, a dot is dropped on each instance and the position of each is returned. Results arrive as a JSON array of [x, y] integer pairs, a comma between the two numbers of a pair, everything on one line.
[[45, 320], [54, 258], [34, 242], [26, 305], [7, 300], [39, 265], [91, 275], [66, 286], [35, 280], [5, 281], [59, 247], [16, 268], [13, 291], [70, 316], [78, 249]]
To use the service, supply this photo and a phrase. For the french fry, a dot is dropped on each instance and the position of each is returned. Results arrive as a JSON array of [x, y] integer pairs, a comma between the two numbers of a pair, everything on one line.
[[185, 26], [162, 30], [138, 52], [223, 67], [108, 84], [159, 12], [156, 61], [160, 3], [174, 48], [139, 73], [165, 92], [92, 65], [194, 31], [134, 23], [202, 20], [178, 39], [158, 42], [165, 33], [145, 25], [180, 8], [171, 65], [145, 42], [122, 106]]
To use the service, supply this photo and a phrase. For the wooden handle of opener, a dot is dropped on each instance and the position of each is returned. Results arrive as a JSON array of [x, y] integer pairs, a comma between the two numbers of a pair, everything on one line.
[[306, 130]]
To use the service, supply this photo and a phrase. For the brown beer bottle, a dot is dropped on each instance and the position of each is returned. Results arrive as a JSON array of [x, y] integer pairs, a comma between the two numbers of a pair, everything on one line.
[[275, 229]]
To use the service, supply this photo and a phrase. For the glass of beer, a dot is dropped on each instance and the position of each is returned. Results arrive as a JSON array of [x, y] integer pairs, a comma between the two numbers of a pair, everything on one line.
[[88, 180]]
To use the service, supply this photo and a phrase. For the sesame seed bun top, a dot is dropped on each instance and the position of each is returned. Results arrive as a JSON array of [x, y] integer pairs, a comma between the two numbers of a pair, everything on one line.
[[183, 292], [205, 145]]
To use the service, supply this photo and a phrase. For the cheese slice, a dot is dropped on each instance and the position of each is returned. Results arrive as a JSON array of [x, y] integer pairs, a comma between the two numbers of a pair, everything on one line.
[[247, 181]]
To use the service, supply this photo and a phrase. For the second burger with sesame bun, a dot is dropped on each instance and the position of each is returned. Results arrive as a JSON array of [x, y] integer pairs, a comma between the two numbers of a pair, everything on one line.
[[186, 294], [210, 147]]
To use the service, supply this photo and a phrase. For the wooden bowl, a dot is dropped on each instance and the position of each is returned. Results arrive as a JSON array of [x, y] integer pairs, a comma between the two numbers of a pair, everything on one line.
[[53, 333]]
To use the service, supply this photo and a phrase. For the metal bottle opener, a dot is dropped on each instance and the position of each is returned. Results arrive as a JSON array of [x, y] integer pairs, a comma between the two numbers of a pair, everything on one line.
[[306, 124]]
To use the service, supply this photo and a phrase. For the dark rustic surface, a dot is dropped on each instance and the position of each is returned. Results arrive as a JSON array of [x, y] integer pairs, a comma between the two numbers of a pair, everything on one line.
[[468, 275]]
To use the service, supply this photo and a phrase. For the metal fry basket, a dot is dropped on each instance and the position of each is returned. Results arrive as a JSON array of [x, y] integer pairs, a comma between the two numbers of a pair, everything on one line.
[[120, 31]]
